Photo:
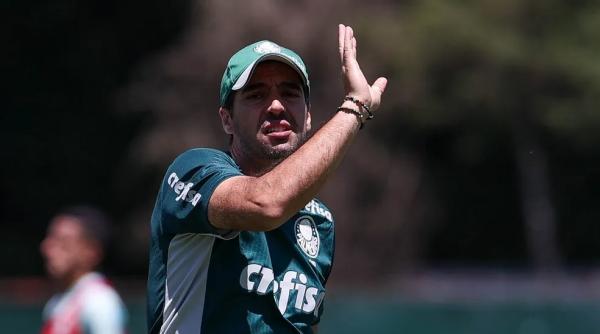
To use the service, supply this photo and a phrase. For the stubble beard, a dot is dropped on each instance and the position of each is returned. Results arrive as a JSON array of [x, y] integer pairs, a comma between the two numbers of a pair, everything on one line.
[[272, 155], [275, 154]]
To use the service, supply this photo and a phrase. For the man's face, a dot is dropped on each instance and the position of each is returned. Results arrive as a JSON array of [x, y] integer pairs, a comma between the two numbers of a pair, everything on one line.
[[270, 117], [66, 250]]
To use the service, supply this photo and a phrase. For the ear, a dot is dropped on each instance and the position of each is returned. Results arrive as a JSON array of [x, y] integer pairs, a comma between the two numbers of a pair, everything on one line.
[[226, 120], [92, 254], [308, 119]]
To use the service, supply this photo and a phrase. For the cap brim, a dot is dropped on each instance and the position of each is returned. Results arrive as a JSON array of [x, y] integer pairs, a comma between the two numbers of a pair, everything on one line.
[[247, 74]]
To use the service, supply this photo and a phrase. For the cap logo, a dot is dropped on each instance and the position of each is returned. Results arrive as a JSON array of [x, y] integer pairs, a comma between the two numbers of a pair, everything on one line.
[[267, 47]]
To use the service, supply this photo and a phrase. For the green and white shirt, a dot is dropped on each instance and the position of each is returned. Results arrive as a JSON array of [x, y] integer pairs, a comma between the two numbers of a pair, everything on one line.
[[205, 280]]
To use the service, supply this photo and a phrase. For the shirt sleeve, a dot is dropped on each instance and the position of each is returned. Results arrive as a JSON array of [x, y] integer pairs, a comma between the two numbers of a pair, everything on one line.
[[187, 188], [103, 312]]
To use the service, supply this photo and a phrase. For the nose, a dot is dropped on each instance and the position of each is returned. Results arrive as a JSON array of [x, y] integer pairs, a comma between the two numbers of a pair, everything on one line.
[[46, 246], [276, 107]]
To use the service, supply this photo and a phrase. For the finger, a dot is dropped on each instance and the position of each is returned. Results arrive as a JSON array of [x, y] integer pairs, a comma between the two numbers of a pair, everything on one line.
[[380, 85], [348, 39], [355, 51], [341, 39]]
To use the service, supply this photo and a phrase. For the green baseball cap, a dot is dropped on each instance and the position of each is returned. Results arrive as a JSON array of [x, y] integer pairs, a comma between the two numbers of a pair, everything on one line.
[[242, 64]]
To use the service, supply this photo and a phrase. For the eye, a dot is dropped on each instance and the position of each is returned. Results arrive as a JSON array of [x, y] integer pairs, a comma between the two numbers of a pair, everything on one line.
[[292, 93], [254, 96]]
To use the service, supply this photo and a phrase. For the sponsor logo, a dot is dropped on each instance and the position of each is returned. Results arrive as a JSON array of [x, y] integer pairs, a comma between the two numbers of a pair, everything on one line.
[[183, 190], [293, 287], [314, 207], [307, 236]]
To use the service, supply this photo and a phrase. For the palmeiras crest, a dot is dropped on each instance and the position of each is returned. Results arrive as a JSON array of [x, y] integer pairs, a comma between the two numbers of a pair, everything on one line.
[[307, 236]]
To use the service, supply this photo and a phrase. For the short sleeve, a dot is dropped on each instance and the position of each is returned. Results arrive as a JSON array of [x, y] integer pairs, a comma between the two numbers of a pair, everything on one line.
[[103, 312], [187, 188]]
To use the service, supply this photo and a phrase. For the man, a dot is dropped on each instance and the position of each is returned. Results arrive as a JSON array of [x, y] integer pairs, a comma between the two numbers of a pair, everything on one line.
[[73, 249], [238, 243]]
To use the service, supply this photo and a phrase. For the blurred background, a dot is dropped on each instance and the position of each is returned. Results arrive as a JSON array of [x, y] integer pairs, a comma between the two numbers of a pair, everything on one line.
[[468, 205]]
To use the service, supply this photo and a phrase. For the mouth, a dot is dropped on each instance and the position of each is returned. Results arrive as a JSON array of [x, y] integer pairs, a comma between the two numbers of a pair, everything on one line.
[[280, 129]]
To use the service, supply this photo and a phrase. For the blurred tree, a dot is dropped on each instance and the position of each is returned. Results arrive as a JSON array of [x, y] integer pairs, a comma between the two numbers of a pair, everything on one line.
[[524, 68], [61, 64], [457, 163], [485, 151]]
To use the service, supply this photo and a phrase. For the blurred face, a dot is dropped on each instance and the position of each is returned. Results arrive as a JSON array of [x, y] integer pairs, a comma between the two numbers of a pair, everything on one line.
[[270, 117], [66, 250]]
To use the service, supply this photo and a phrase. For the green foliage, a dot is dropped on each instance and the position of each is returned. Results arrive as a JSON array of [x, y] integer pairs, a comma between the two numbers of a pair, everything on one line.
[[490, 60], [102, 95]]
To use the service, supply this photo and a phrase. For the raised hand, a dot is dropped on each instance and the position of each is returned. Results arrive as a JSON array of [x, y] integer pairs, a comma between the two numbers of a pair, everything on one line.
[[355, 83]]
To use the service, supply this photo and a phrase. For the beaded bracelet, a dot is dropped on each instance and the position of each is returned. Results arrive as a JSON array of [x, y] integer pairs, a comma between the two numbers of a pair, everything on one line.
[[360, 105], [358, 114]]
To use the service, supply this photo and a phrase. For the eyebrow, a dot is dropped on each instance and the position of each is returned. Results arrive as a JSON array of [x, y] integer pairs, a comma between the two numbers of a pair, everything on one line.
[[259, 85], [291, 85], [253, 86]]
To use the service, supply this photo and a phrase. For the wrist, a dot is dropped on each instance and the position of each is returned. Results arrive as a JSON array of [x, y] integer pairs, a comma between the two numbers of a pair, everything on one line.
[[350, 105], [353, 111], [362, 107], [353, 105]]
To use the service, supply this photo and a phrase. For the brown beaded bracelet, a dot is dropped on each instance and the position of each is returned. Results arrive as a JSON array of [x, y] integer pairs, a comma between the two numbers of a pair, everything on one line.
[[360, 105], [358, 114]]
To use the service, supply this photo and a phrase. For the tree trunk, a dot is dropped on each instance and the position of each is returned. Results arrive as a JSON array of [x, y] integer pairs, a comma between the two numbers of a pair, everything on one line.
[[538, 212]]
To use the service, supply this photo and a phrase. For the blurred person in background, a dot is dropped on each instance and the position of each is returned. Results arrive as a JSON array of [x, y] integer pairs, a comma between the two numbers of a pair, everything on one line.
[[73, 249], [239, 244]]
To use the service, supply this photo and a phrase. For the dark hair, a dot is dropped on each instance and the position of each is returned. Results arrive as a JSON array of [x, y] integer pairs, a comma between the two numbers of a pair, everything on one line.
[[229, 102], [95, 223]]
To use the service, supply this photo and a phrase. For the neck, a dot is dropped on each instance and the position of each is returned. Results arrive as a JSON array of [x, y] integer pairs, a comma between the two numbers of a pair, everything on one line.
[[251, 166], [70, 280]]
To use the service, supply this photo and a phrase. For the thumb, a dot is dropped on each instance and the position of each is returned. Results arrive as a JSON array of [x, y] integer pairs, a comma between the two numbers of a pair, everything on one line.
[[380, 84]]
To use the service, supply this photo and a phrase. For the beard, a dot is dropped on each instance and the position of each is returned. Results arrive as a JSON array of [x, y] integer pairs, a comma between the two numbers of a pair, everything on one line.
[[260, 153], [278, 152], [259, 150]]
